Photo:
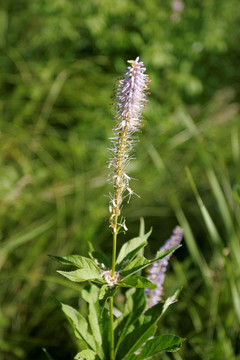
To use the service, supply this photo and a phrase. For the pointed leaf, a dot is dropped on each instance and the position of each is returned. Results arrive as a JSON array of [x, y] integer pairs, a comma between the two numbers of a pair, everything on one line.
[[144, 329], [104, 295], [76, 260], [99, 325], [130, 249], [82, 275], [156, 345], [134, 307], [141, 262], [86, 354], [79, 324], [137, 282]]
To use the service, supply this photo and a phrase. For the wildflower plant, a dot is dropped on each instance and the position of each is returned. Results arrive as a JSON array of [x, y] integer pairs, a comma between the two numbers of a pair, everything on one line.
[[109, 334]]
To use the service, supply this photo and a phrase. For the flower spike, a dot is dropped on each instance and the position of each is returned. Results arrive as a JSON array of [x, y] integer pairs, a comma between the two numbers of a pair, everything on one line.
[[158, 269], [130, 100]]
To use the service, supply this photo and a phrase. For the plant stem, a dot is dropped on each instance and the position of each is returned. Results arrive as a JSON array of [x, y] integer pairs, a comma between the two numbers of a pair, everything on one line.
[[114, 251], [112, 350], [112, 355]]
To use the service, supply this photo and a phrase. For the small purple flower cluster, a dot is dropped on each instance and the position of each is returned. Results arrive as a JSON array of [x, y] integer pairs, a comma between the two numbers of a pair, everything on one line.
[[158, 269], [131, 96]]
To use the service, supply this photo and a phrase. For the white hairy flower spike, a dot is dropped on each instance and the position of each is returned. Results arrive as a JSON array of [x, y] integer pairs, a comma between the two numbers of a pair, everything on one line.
[[130, 100]]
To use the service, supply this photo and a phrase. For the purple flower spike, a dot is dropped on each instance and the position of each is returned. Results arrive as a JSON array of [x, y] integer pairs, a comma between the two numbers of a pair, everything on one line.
[[158, 269], [131, 96], [130, 100]]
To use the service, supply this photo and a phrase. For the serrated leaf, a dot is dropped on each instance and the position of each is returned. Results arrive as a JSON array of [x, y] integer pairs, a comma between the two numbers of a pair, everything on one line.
[[144, 328], [79, 324], [141, 262], [76, 260], [99, 324], [170, 343], [130, 249], [82, 275], [86, 354], [137, 282]]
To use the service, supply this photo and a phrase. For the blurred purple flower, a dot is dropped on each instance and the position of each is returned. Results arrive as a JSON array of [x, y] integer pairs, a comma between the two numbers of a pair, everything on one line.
[[158, 269], [177, 8]]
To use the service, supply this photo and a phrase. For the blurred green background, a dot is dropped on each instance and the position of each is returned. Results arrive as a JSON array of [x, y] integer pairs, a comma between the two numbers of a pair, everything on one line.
[[59, 61]]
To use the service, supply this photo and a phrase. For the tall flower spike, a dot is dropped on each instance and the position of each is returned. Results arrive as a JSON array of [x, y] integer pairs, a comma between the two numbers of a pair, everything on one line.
[[158, 269], [130, 99]]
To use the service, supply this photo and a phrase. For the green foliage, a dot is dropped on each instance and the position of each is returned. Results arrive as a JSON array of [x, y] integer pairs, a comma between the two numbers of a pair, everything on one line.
[[137, 282], [140, 262], [154, 346], [142, 327], [130, 249], [136, 324], [79, 324], [87, 354]]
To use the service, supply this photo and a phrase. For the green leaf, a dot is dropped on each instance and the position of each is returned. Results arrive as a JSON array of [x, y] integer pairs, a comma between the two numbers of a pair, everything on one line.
[[82, 275], [130, 249], [88, 270], [86, 354], [134, 307], [99, 324], [144, 328], [104, 294], [79, 324], [141, 262], [76, 260], [137, 282], [154, 346]]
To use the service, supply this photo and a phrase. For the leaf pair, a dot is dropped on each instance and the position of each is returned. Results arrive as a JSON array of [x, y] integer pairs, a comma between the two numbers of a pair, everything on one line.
[[127, 264]]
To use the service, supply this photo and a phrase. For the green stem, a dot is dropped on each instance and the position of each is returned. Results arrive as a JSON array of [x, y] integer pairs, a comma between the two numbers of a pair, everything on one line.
[[112, 350], [114, 251], [112, 355]]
